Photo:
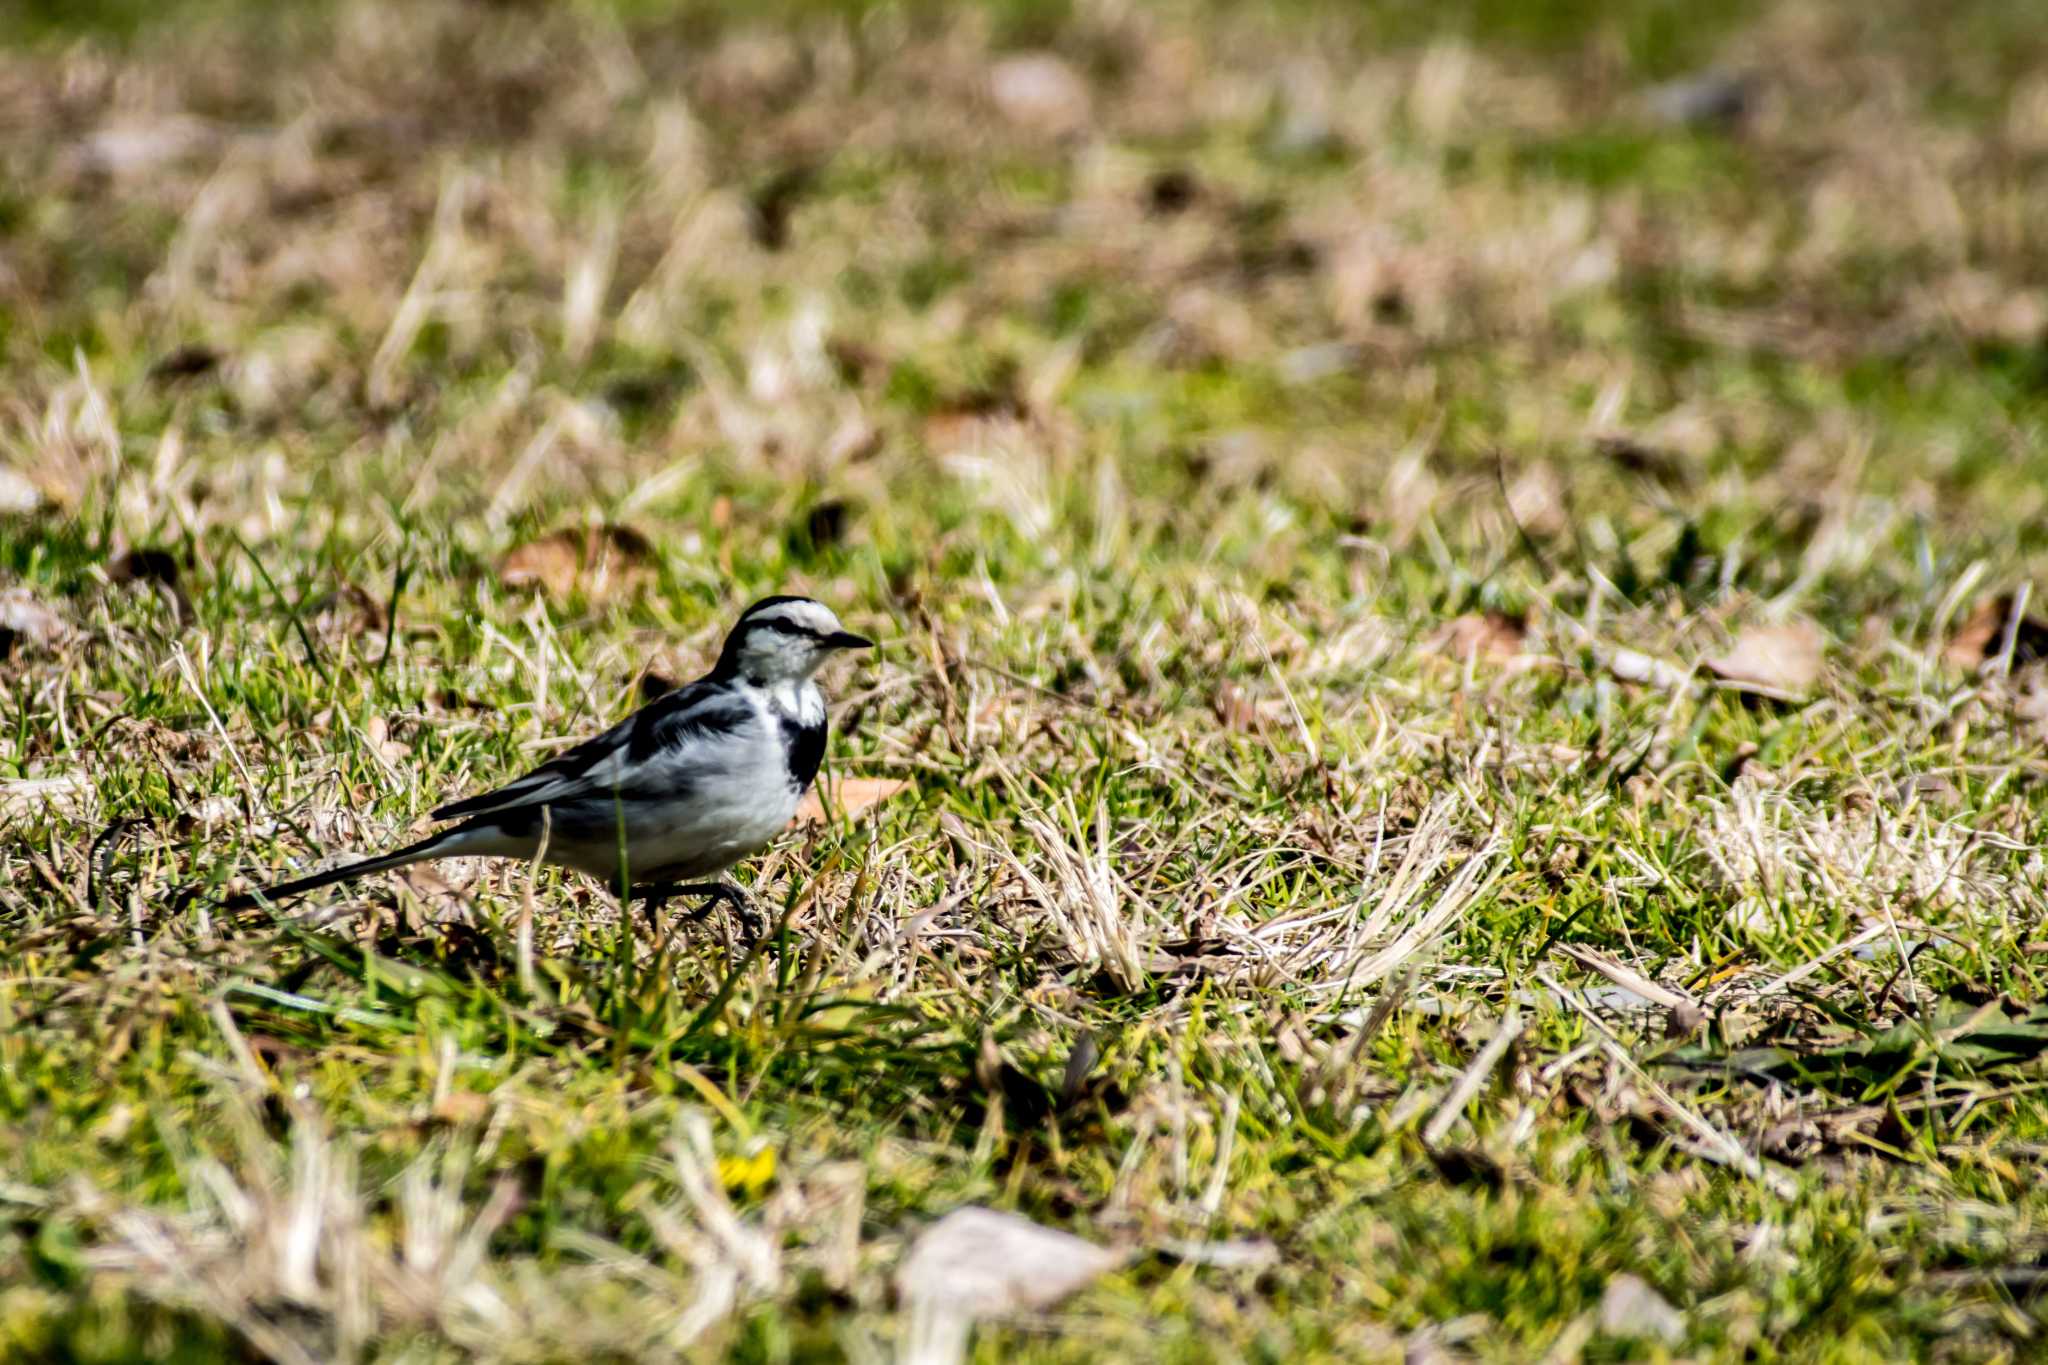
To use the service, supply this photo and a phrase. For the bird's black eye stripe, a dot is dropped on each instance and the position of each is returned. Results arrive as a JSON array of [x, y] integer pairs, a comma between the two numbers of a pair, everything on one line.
[[789, 628]]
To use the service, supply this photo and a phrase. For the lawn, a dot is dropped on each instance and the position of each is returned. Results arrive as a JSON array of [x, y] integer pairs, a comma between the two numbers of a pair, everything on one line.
[[1456, 768]]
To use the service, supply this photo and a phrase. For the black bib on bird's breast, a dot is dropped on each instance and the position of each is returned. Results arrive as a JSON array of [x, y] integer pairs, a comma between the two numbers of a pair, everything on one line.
[[805, 745]]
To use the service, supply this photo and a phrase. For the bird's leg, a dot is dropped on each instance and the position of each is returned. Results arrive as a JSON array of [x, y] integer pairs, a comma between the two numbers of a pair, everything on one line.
[[713, 893], [655, 896]]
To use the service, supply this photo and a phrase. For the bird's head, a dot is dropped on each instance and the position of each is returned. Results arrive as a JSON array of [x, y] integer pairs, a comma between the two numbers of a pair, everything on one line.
[[784, 639]]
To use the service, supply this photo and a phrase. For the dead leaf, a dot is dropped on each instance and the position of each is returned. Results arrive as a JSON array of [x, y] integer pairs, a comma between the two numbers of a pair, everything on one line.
[[1492, 636], [348, 611], [975, 1262], [441, 901], [846, 797], [552, 564], [458, 1107], [1982, 637], [25, 618], [377, 734], [143, 736], [1776, 660], [1235, 708], [857, 362], [973, 422], [600, 563]]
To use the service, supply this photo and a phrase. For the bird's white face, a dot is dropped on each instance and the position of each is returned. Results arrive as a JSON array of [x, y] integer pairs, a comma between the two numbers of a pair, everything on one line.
[[785, 639]]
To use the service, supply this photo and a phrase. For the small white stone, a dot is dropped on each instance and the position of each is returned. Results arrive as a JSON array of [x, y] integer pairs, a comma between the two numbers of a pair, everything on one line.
[[18, 495], [1039, 90], [1630, 1308]]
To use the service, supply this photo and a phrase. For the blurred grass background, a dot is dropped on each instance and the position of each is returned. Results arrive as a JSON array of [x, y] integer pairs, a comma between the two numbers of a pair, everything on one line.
[[1397, 528]]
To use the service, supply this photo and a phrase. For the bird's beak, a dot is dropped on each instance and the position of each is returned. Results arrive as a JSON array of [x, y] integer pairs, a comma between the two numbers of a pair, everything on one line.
[[846, 639]]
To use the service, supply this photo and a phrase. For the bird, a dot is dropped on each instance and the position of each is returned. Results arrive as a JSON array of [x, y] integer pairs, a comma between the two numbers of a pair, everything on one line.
[[672, 795]]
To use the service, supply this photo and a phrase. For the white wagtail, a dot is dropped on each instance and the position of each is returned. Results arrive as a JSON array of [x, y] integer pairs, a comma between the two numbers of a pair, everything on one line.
[[680, 790]]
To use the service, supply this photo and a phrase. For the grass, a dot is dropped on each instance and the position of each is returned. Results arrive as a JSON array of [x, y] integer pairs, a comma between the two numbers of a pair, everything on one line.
[[1316, 474]]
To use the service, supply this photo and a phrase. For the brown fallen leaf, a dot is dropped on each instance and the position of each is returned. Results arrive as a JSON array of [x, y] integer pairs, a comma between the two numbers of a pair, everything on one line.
[[858, 363], [553, 564], [1235, 708], [145, 737], [600, 563], [1982, 637], [1775, 660], [974, 421], [441, 900], [845, 797], [377, 734], [348, 611], [458, 1107], [1491, 636]]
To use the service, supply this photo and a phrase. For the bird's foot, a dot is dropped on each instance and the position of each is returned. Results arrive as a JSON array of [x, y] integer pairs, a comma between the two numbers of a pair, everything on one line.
[[653, 898]]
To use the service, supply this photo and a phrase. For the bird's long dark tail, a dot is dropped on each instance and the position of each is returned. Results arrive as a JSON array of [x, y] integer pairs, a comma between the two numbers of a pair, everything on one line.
[[404, 857]]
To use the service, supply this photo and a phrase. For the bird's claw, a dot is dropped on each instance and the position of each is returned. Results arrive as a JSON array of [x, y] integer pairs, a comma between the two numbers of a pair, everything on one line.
[[752, 928]]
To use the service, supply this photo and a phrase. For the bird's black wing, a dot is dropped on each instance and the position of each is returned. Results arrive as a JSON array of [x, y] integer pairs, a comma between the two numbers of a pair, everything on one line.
[[607, 762]]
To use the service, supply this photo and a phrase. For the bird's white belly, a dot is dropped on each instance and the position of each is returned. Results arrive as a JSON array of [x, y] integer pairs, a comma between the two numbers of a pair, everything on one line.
[[698, 837], [693, 836]]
